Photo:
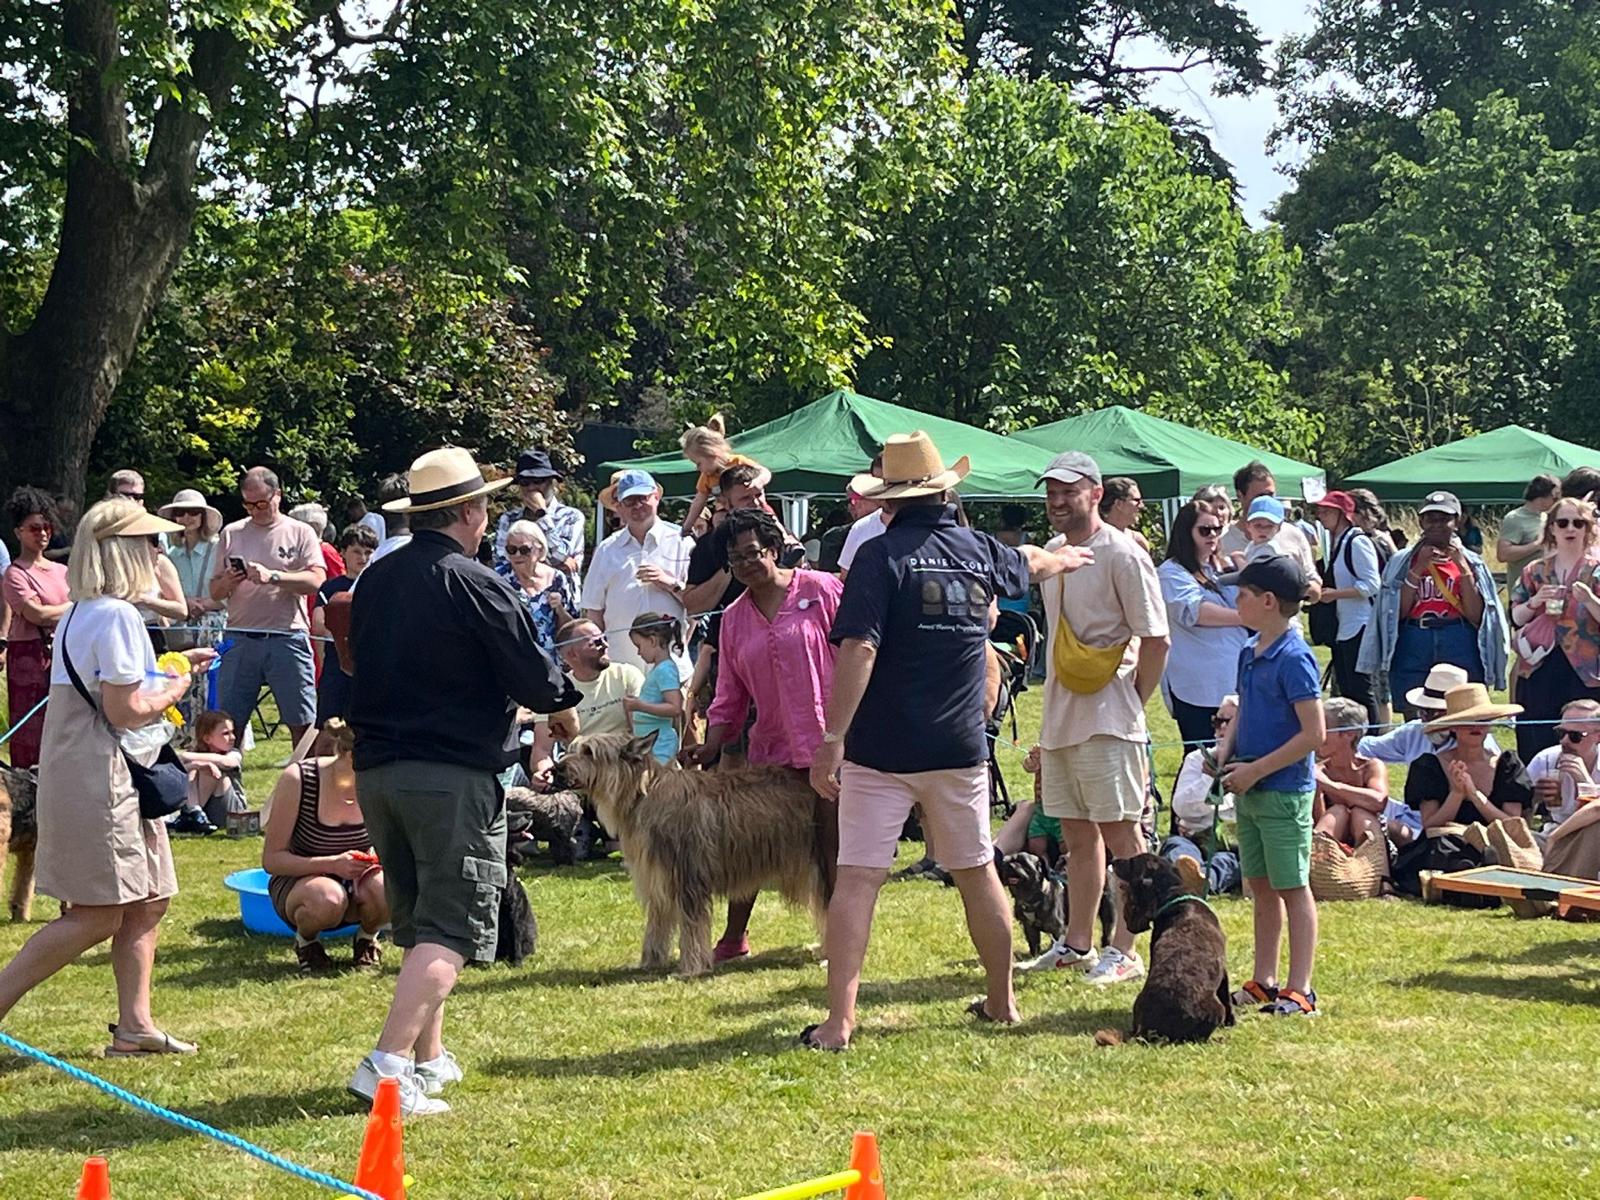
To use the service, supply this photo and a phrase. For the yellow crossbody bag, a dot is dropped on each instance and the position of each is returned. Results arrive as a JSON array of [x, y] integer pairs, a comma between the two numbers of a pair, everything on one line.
[[1080, 668]]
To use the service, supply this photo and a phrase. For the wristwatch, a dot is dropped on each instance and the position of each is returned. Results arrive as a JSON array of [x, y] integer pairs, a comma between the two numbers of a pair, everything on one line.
[[275, 577]]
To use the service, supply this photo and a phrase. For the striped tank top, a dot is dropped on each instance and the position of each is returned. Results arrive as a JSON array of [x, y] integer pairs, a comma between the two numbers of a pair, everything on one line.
[[313, 839]]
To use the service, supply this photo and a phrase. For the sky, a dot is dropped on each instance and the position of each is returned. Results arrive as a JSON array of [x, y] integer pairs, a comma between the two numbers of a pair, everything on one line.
[[1239, 124]]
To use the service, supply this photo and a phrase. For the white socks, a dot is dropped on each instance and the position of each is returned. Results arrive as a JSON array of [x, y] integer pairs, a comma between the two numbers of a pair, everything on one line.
[[390, 1065]]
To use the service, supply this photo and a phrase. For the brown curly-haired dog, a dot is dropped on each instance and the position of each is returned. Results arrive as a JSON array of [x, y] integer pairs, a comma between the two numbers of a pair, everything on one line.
[[690, 835], [19, 835], [1185, 996]]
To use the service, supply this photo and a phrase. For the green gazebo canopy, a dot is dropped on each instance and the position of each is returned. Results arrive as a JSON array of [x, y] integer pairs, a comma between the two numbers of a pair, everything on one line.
[[1490, 468], [1167, 459], [818, 448]]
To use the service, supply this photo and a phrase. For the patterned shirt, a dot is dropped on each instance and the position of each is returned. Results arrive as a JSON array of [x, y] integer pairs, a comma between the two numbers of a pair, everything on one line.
[[1577, 631], [562, 526]]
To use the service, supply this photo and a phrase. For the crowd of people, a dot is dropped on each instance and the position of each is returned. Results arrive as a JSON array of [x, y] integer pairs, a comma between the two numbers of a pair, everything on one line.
[[422, 657]]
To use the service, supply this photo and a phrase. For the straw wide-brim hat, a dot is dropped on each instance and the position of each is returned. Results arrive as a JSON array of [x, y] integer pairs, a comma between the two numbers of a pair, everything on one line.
[[1469, 704], [189, 498], [138, 524], [444, 477], [912, 466]]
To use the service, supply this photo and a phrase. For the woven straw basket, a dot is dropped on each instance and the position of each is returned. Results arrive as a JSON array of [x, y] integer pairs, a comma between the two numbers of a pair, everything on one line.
[[1337, 874]]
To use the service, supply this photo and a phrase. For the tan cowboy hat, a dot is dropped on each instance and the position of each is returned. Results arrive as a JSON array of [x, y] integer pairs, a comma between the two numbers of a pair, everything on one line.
[[444, 477], [912, 466], [189, 498], [1469, 704]]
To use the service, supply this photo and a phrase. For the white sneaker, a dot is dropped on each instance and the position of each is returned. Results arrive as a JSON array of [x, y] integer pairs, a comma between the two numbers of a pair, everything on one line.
[[1116, 966], [413, 1101], [437, 1073], [1062, 957]]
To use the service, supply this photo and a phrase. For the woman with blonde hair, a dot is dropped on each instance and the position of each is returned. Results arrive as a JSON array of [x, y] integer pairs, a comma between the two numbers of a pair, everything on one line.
[[319, 855], [109, 866], [1555, 624]]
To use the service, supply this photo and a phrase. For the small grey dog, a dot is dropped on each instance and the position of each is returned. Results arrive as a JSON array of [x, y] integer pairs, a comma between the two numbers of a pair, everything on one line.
[[551, 817], [1039, 897]]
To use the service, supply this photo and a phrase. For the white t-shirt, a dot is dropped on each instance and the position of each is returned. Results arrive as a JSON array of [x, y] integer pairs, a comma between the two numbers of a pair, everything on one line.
[[108, 644], [1545, 765], [389, 545], [611, 588], [861, 532]]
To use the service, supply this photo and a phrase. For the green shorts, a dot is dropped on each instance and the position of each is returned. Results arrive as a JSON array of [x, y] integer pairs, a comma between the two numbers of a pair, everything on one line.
[[1042, 826], [440, 833], [1275, 837]]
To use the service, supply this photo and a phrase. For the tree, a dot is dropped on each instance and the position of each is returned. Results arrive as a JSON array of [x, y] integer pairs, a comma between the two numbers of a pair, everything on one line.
[[1448, 305], [1060, 262], [315, 347]]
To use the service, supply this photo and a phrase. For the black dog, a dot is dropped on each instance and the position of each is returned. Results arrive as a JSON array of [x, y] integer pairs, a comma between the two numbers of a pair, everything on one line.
[[1185, 996], [554, 817], [1039, 897]]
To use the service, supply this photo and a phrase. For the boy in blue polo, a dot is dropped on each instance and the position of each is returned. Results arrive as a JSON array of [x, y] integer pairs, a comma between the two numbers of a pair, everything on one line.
[[1278, 729]]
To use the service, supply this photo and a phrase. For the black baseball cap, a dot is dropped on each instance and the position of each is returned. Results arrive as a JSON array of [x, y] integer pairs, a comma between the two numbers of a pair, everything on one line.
[[534, 465], [1278, 574]]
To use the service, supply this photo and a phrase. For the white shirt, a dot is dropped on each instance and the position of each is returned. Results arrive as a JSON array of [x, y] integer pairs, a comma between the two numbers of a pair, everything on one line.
[[862, 532], [1191, 796], [1544, 765], [1362, 574], [1288, 540], [108, 644], [389, 545], [611, 588]]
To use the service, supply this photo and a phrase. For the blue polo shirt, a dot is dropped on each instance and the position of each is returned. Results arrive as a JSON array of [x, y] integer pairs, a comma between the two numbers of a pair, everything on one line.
[[920, 593], [1270, 685]]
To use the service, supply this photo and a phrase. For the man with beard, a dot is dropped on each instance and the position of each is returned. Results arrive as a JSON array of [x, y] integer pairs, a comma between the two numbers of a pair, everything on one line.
[[1107, 648]]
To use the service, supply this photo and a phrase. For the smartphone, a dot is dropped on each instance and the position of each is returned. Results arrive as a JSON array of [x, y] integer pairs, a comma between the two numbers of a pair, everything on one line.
[[236, 564]]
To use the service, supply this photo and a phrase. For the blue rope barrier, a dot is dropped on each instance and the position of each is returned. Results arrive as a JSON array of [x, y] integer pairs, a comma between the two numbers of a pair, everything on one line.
[[10, 733], [189, 1123]]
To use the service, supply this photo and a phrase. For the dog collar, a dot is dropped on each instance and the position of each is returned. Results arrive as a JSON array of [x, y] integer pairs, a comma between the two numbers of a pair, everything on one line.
[[1179, 900]]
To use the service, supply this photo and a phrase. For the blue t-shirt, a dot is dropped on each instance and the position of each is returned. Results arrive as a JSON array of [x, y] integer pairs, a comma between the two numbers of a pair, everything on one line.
[[1270, 685], [663, 678], [920, 593]]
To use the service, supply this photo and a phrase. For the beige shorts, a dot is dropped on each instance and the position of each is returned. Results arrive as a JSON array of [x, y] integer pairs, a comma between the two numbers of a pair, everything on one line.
[[1100, 780], [874, 805]]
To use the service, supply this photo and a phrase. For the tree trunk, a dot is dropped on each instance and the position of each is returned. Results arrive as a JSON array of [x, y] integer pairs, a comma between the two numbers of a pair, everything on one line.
[[124, 227]]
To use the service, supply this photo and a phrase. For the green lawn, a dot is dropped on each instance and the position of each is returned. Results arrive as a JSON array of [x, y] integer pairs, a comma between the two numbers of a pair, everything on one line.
[[1456, 1058]]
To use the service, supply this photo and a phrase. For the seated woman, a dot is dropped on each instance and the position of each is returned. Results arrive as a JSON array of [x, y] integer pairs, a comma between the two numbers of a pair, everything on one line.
[[319, 855], [1459, 786], [1351, 790]]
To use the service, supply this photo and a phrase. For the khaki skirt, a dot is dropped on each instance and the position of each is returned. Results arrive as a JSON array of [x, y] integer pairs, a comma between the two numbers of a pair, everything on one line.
[[94, 847]]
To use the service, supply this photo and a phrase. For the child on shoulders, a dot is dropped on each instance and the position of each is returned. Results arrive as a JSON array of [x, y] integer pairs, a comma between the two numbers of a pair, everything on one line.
[[706, 446]]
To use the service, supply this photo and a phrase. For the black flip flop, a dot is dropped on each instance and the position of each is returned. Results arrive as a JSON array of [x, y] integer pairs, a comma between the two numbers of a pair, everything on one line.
[[977, 1009], [808, 1042]]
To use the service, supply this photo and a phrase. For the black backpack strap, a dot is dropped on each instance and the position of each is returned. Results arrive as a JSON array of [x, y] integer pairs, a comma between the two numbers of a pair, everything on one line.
[[72, 671]]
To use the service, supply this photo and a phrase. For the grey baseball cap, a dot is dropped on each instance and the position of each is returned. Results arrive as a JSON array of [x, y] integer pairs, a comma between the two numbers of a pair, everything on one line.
[[1443, 502], [1070, 466]]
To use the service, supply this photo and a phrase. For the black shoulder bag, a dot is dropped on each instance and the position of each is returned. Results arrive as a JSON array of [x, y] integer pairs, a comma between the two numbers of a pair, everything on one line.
[[164, 785], [1324, 618]]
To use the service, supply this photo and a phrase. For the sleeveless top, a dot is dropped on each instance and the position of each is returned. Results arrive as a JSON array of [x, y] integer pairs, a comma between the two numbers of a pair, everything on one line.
[[313, 839]]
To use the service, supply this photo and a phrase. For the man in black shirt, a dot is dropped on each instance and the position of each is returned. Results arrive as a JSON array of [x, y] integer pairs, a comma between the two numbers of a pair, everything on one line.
[[444, 652], [905, 718]]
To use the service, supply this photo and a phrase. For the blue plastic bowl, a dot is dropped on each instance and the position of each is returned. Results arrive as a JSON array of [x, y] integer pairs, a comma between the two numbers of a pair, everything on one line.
[[255, 906]]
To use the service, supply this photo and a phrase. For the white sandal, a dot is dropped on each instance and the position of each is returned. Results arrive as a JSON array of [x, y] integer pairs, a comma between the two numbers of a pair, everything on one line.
[[146, 1044]]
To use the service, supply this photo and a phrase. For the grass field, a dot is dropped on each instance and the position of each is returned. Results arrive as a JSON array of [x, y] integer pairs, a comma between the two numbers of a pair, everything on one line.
[[1456, 1059]]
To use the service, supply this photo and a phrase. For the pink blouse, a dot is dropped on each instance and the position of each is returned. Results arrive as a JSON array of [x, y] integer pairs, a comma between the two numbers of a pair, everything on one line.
[[785, 668], [44, 583]]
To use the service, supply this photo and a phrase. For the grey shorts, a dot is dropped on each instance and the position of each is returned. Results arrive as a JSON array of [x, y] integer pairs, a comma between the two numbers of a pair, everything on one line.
[[283, 662], [440, 832]]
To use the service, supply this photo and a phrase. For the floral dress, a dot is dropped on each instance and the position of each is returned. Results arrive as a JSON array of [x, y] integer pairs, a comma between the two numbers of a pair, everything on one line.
[[541, 607]]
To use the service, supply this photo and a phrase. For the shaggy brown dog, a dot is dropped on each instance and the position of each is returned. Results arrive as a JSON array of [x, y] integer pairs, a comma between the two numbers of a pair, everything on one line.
[[19, 834], [690, 835], [1185, 996]]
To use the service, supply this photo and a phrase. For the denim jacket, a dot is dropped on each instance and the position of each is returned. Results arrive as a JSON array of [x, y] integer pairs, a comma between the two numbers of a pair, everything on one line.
[[1383, 631]]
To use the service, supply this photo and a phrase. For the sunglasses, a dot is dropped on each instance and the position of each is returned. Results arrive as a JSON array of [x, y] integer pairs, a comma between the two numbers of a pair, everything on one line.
[[1208, 530], [1570, 523], [139, 496], [42, 527], [1219, 722], [519, 551], [257, 505], [1576, 735], [180, 513]]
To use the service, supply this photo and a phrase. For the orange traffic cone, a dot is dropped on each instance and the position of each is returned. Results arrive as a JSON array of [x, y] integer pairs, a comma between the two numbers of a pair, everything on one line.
[[382, 1168], [96, 1181], [864, 1158]]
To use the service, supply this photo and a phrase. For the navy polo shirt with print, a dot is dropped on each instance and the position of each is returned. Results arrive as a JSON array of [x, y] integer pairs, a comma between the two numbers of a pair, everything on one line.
[[1270, 685], [920, 593]]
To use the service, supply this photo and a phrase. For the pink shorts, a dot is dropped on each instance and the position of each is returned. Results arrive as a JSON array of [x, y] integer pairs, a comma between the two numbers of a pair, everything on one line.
[[874, 805]]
